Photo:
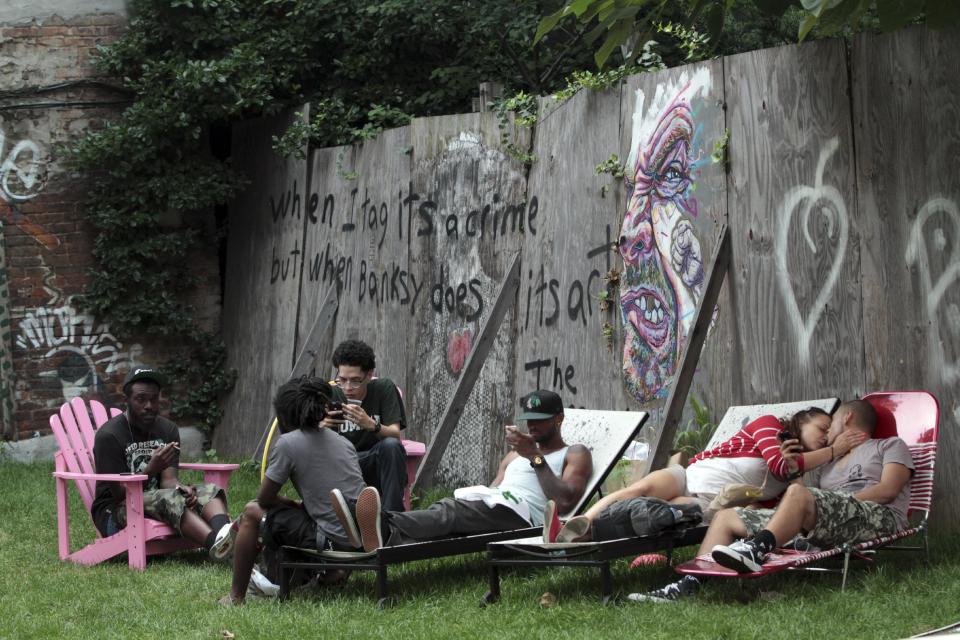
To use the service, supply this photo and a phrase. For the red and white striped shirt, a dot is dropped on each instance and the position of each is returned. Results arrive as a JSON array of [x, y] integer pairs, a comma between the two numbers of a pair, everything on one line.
[[757, 439]]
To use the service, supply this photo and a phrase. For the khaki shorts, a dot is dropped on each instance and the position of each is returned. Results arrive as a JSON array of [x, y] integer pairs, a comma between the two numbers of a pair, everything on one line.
[[840, 518], [168, 505]]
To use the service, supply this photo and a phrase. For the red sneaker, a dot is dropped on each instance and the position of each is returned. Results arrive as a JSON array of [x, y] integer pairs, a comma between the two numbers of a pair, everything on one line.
[[551, 522]]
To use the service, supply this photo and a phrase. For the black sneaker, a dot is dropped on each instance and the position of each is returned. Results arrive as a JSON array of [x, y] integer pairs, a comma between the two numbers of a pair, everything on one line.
[[342, 509], [368, 518], [685, 587], [742, 556]]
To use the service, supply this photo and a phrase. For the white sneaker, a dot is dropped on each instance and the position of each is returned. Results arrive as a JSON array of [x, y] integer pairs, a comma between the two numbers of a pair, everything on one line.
[[261, 587], [222, 547]]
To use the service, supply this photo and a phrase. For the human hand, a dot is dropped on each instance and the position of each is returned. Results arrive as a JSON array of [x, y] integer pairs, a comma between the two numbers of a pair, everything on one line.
[[189, 492], [333, 418], [847, 441], [522, 443], [791, 450], [162, 458], [355, 414]]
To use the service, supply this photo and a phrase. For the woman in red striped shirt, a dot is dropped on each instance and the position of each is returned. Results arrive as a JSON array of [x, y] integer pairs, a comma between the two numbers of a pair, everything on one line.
[[752, 457]]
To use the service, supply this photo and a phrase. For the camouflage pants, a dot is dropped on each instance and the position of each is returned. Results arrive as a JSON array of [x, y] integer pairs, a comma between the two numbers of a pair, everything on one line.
[[168, 505], [840, 518]]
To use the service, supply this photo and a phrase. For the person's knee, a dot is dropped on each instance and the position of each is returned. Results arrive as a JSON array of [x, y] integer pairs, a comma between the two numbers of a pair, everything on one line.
[[797, 493], [252, 513], [392, 447]]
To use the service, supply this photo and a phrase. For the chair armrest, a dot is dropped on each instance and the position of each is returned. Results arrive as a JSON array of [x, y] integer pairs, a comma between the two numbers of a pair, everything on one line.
[[105, 477], [218, 474], [204, 466]]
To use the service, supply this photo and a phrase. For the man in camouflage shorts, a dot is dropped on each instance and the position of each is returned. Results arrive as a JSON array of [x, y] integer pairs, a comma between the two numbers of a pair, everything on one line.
[[859, 496], [139, 441]]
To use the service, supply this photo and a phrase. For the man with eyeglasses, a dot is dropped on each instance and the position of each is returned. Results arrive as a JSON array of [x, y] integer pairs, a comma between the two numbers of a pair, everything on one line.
[[372, 418]]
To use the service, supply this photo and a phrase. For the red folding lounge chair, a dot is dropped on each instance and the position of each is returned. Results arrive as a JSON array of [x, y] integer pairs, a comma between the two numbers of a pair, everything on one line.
[[142, 536], [914, 416]]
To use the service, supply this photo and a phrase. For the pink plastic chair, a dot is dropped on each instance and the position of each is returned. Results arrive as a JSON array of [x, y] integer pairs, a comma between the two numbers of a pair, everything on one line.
[[913, 416], [142, 536]]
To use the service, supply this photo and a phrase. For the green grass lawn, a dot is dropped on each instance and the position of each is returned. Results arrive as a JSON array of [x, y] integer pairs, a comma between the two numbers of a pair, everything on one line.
[[176, 597]]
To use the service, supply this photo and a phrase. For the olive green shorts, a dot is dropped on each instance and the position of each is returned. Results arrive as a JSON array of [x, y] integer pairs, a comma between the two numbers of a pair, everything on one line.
[[840, 518], [168, 505]]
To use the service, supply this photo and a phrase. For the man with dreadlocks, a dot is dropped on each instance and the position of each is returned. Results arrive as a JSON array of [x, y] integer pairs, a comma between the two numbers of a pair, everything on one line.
[[316, 460]]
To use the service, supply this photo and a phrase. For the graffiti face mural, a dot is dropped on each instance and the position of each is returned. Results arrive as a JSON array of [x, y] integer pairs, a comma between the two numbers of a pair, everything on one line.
[[663, 264]]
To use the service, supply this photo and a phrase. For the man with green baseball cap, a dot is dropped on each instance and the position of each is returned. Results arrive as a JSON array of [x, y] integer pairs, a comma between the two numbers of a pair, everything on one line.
[[540, 467]]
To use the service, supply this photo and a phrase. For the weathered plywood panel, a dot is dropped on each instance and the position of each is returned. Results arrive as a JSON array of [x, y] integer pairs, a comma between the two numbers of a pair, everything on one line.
[[371, 228], [330, 264], [906, 103], [792, 203], [675, 202], [469, 216], [568, 254], [264, 258]]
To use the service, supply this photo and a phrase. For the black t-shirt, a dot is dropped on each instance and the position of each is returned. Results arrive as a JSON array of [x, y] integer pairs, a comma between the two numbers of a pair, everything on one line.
[[116, 451], [382, 400]]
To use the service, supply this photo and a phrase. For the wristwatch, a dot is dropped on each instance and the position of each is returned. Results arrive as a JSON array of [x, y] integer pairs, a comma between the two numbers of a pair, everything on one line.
[[537, 462], [377, 426]]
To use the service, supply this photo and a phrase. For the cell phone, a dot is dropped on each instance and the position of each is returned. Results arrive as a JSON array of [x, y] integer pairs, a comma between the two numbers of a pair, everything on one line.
[[335, 406], [783, 436], [354, 401]]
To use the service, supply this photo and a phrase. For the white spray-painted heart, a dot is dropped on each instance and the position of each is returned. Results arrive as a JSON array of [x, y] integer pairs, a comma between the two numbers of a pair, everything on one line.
[[806, 196], [934, 292]]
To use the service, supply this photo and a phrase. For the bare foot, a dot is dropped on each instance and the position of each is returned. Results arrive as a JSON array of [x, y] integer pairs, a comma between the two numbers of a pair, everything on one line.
[[229, 601]]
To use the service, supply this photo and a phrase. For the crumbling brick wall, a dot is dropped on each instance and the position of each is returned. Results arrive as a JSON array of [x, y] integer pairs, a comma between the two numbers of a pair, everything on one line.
[[50, 94]]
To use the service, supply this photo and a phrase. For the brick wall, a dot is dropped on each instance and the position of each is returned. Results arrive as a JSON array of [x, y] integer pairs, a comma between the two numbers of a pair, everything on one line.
[[58, 350]]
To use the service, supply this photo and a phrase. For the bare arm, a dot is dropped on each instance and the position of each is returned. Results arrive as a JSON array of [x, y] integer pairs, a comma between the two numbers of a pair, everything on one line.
[[568, 488], [359, 417], [269, 496], [892, 480]]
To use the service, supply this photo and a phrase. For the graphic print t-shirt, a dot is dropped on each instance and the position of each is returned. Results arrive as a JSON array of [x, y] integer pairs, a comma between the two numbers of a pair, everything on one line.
[[382, 400], [116, 451]]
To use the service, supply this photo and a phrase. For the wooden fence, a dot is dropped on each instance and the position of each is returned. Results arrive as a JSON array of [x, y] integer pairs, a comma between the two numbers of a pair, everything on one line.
[[840, 189]]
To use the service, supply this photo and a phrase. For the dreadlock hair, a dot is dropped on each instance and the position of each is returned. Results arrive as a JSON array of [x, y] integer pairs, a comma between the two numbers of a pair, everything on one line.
[[301, 403], [793, 423]]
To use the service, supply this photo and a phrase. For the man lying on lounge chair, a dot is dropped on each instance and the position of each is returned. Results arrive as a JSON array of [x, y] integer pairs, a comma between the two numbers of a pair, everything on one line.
[[541, 466], [862, 495]]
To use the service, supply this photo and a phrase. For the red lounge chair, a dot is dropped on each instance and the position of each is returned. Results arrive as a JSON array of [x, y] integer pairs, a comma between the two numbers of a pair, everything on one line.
[[142, 536], [914, 416]]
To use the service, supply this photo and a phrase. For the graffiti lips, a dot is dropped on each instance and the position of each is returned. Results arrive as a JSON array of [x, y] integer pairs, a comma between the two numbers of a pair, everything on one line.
[[647, 312]]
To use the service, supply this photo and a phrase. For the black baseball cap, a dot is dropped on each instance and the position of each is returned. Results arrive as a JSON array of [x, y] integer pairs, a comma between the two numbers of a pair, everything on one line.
[[144, 373], [540, 405]]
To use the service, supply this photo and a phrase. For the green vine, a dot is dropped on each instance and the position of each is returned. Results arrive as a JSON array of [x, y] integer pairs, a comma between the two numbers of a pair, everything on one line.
[[525, 111], [720, 153], [611, 165]]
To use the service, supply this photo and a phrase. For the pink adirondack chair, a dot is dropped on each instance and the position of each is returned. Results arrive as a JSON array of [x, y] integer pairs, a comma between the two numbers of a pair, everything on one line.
[[142, 536], [914, 417]]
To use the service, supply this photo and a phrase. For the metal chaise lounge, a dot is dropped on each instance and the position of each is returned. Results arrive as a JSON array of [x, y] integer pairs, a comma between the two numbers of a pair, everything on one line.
[[606, 433]]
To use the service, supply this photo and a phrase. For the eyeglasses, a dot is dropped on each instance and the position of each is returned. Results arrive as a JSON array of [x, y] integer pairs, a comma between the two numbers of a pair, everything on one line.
[[353, 383]]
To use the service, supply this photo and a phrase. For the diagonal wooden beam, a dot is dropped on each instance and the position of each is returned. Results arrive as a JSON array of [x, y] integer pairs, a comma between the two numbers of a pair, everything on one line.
[[663, 439], [506, 298], [308, 353]]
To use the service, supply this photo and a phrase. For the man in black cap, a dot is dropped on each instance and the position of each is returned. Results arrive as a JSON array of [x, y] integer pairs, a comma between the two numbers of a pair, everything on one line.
[[539, 467], [139, 441]]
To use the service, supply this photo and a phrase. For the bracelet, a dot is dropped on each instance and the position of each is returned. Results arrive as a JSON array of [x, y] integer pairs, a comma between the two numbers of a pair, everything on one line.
[[832, 455]]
